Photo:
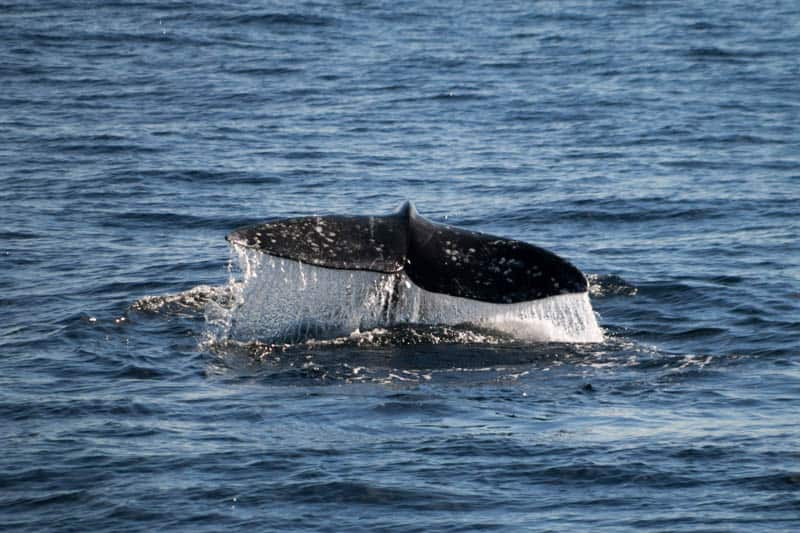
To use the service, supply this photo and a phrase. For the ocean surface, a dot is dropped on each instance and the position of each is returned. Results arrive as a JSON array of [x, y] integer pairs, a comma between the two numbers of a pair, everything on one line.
[[654, 144]]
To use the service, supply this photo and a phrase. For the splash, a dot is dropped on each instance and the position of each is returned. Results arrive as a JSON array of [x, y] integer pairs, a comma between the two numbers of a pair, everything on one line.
[[603, 285], [188, 302], [284, 301]]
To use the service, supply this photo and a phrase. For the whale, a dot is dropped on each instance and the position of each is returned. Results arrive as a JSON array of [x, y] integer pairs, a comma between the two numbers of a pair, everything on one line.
[[439, 258], [318, 278]]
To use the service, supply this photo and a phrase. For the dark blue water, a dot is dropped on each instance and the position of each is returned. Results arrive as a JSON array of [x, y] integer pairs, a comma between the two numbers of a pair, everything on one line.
[[654, 144]]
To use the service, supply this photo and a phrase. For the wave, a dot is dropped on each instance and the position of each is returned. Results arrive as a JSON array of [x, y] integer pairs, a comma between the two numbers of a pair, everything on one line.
[[276, 20]]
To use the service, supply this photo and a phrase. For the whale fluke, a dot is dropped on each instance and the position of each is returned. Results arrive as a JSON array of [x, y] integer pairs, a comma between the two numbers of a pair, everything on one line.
[[437, 257]]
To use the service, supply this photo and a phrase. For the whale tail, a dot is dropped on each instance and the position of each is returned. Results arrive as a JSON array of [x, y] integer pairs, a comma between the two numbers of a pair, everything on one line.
[[437, 257]]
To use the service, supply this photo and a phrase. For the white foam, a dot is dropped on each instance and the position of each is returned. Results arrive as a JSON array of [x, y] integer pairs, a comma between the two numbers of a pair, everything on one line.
[[285, 301]]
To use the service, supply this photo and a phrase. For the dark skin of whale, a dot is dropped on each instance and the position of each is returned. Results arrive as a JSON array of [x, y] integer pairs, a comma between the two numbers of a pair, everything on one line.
[[437, 257]]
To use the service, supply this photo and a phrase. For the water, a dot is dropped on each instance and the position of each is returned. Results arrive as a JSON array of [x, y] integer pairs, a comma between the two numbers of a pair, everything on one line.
[[656, 145]]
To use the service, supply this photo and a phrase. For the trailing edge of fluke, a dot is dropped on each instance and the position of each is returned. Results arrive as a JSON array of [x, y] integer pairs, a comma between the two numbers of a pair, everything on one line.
[[436, 257]]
